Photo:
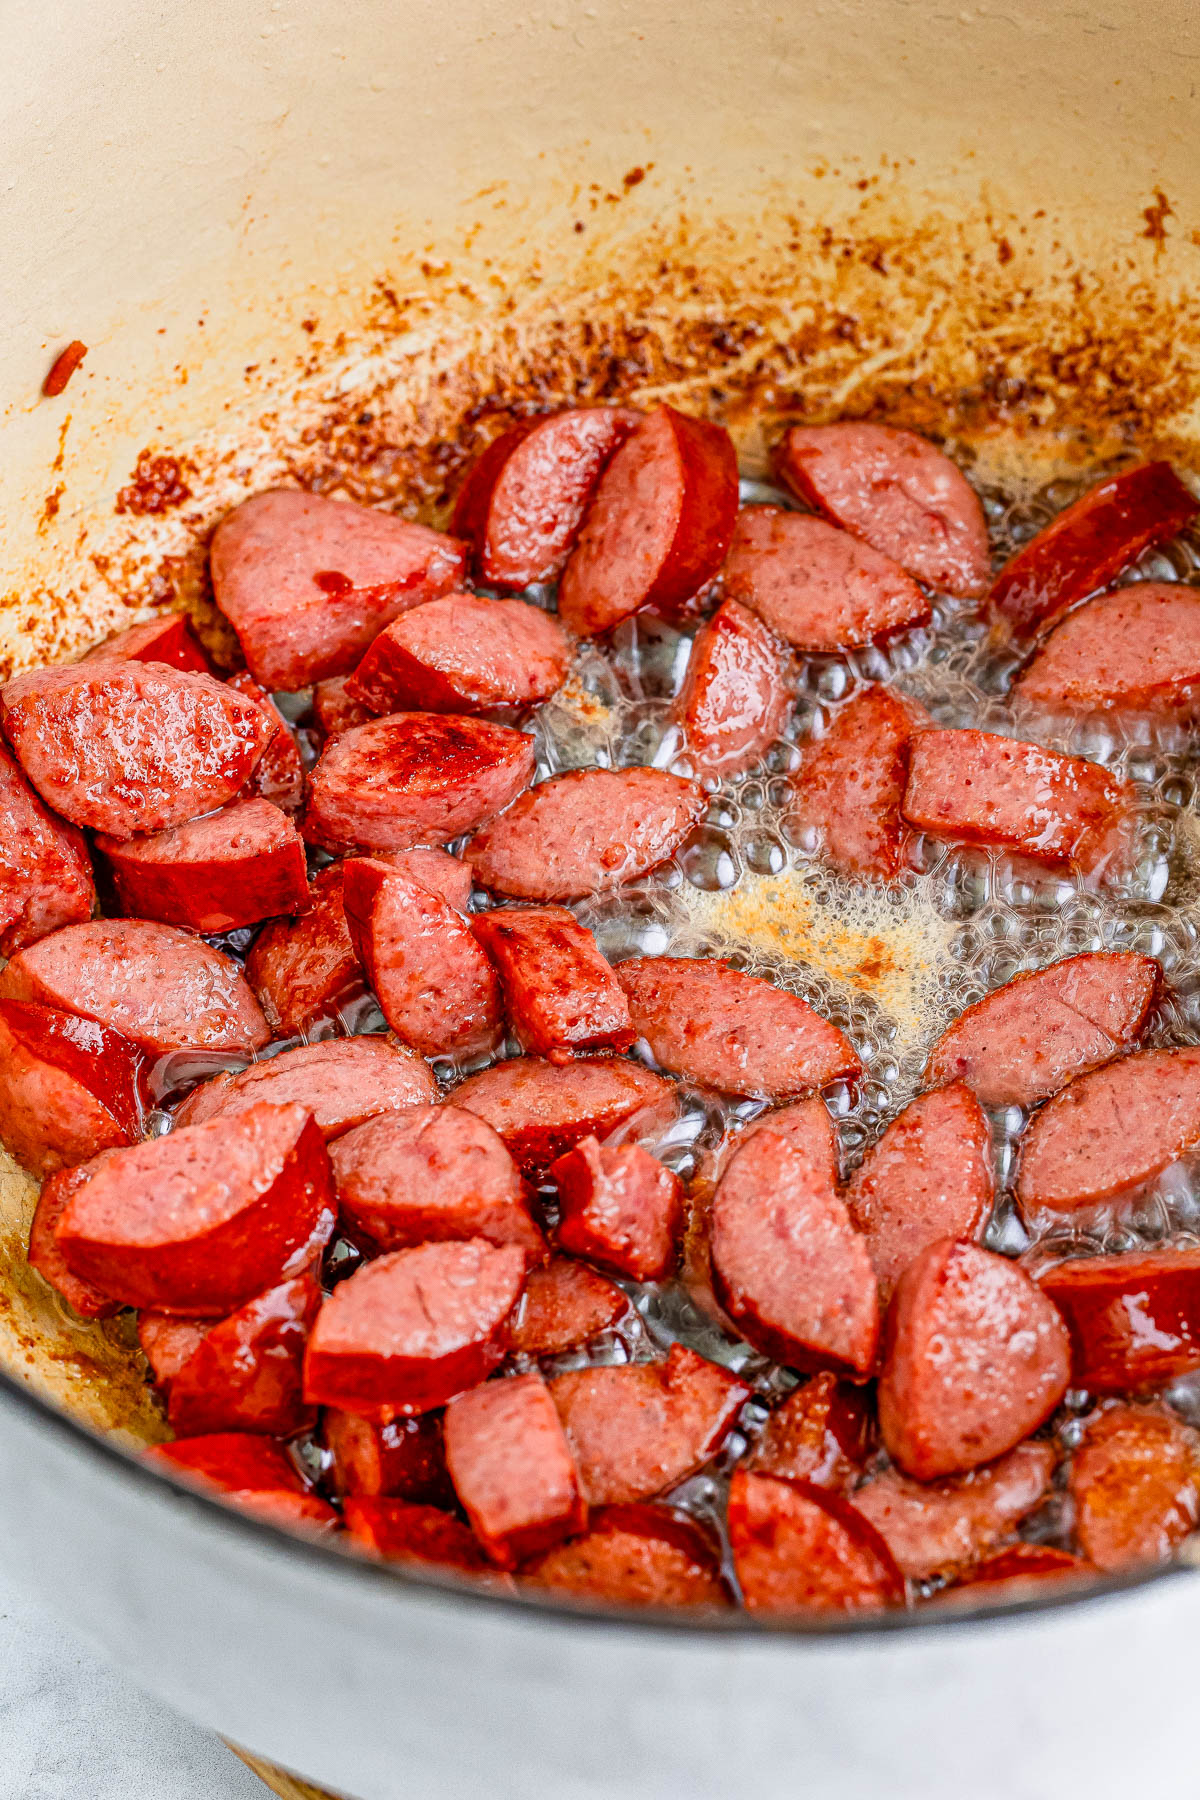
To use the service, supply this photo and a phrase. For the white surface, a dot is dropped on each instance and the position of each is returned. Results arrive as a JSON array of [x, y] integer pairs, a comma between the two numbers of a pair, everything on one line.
[[72, 1728]]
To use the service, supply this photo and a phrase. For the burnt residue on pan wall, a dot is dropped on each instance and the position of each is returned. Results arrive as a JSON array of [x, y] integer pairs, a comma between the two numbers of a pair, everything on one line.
[[1006, 333]]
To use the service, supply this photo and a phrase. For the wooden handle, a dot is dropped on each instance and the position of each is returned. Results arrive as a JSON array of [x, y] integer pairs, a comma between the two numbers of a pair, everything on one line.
[[288, 1787]]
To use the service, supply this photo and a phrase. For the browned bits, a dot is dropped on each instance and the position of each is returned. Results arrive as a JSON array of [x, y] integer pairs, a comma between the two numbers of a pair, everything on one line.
[[62, 368], [158, 484]]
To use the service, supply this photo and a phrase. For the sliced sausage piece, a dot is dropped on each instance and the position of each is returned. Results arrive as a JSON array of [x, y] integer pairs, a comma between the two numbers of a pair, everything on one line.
[[898, 493], [413, 1329], [434, 984], [333, 708], [1137, 650], [253, 1473], [976, 1358], [730, 1031], [231, 868], [414, 778], [404, 1458], [307, 582], [1134, 1320], [928, 1177], [635, 1556], [45, 1255], [1135, 1481], [162, 988], [637, 1429], [734, 698], [787, 1265], [341, 1081], [204, 1219], [818, 588], [1090, 543], [619, 1207], [523, 500], [1110, 1130], [849, 788], [798, 1548], [307, 969], [396, 1531], [170, 640], [821, 1433], [977, 788], [279, 773], [166, 1342], [45, 873], [425, 1174], [244, 1374], [542, 1111], [512, 1468], [585, 832], [935, 1528], [564, 1306], [445, 875], [1026, 1040], [464, 654], [125, 747], [1014, 1573], [69, 1088], [658, 526], [560, 995]]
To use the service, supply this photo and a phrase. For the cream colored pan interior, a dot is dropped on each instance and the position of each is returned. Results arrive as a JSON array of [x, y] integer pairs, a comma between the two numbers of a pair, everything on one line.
[[319, 242]]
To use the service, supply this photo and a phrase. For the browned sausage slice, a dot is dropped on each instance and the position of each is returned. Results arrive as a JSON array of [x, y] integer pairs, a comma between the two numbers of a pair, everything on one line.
[[231, 868], [307, 968], [1137, 650], [976, 1358], [463, 654], [404, 1458], [1134, 1320], [1026, 1040], [523, 500], [897, 492], [253, 1473], [619, 1207], [821, 1433], [564, 1306], [640, 1428], [200, 1221], [45, 873], [45, 1255], [1091, 542], [978, 788], [541, 1111], [164, 989], [279, 773], [936, 1528], [443, 874], [730, 1031], [397, 1531], [635, 1556], [125, 747], [586, 832], [787, 1265], [849, 787], [1135, 1481], [512, 1468], [658, 526], [69, 1088], [414, 778], [307, 582], [1014, 1574], [341, 1081], [245, 1372], [434, 984], [1110, 1130], [734, 699], [817, 587], [560, 994], [167, 1342], [413, 1329], [928, 1177], [430, 1173], [798, 1549], [333, 708], [170, 640]]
